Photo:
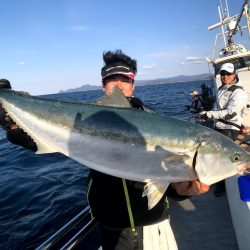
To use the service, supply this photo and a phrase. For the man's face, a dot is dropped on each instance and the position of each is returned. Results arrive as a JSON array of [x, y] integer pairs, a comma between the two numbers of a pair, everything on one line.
[[227, 78], [126, 87]]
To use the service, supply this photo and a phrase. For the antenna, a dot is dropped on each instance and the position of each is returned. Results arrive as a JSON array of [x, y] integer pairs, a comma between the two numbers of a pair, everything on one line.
[[227, 8], [246, 7], [222, 27]]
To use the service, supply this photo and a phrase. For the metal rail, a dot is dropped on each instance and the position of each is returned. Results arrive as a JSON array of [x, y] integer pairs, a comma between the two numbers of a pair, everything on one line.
[[72, 224]]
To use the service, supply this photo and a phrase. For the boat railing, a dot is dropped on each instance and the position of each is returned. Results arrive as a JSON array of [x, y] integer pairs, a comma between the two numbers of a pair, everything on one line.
[[71, 234]]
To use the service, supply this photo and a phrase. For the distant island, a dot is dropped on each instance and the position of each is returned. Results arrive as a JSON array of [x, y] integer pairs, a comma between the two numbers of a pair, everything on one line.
[[180, 78], [85, 87]]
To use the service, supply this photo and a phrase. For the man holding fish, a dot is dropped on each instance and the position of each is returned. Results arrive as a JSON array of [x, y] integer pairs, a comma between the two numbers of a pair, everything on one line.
[[120, 229]]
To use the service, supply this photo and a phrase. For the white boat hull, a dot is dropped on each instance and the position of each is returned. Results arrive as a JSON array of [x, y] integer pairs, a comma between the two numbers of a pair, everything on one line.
[[240, 213]]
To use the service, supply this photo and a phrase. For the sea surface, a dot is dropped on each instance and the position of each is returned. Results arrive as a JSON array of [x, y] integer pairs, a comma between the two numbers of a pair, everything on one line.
[[41, 193]]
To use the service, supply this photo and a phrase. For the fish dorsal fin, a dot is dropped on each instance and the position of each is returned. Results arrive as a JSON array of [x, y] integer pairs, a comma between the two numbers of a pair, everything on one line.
[[114, 99]]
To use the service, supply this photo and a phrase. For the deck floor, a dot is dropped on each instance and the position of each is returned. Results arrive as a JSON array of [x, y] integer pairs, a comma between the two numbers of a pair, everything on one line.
[[203, 222], [199, 223]]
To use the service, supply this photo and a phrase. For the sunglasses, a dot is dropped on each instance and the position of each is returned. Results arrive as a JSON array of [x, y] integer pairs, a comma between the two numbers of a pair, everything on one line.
[[225, 73]]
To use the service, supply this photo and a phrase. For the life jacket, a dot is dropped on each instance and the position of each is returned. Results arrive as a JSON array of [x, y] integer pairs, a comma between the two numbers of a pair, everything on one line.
[[228, 117]]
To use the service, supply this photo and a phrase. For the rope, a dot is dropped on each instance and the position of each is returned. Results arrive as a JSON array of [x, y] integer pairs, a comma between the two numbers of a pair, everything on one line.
[[131, 219]]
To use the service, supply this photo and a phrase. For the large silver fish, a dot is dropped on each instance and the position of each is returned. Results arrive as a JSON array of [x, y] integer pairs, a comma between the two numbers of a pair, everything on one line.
[[115, 139]]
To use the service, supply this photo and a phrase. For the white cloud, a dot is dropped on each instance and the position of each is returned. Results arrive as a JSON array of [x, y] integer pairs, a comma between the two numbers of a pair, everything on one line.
[[195, 59], [151, 66], [79, 28], [21, 63], [143, 73], [190, 28], [28, 52], [198, 62], [185, 47], [64, 45], [165, 54]]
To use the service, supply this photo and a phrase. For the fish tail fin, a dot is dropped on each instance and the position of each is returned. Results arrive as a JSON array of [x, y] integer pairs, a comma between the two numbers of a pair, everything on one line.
[[154, 191]]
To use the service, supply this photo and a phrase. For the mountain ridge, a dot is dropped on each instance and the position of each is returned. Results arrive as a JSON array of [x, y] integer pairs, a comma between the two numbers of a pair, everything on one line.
[[175, 79]]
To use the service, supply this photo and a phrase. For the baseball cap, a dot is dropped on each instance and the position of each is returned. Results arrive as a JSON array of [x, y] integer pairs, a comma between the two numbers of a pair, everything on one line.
[[194, 93], [228, 67]]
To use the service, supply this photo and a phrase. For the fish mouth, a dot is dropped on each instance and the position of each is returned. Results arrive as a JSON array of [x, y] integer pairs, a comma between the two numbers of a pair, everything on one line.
[[246, 170]]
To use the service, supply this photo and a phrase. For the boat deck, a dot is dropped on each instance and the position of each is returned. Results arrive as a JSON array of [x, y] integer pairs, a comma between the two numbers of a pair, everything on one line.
[[203, 222]]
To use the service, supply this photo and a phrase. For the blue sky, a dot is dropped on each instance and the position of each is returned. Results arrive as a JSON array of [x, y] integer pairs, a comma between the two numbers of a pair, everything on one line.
[[52, 45]]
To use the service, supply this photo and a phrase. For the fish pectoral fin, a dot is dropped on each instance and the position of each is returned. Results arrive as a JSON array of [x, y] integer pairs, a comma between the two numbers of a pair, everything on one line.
[[176, 160], [154, 192]]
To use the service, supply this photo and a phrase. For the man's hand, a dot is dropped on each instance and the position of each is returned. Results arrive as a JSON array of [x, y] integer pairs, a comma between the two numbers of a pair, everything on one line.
[[187, 107], [190, 188], [203, 115]]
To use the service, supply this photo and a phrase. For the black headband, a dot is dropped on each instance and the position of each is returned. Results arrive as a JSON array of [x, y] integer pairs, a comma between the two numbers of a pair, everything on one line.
[[117, 70]]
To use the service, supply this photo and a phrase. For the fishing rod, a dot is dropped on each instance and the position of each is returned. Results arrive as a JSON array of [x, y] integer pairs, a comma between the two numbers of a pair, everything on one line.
[[234, 31], [187, 96], [187, 107], [220, 8]]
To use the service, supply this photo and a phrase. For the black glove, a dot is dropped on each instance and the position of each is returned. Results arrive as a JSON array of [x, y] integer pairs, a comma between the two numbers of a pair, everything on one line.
[[5, 84], [5, 121], [14, 134], [204, 116], [19, 137]]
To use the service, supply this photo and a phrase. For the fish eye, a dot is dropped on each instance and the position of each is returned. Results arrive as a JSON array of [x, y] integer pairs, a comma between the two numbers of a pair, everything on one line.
[[236, 157]]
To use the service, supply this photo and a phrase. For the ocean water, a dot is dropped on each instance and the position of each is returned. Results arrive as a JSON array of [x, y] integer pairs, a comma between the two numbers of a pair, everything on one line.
[[41, 193]]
